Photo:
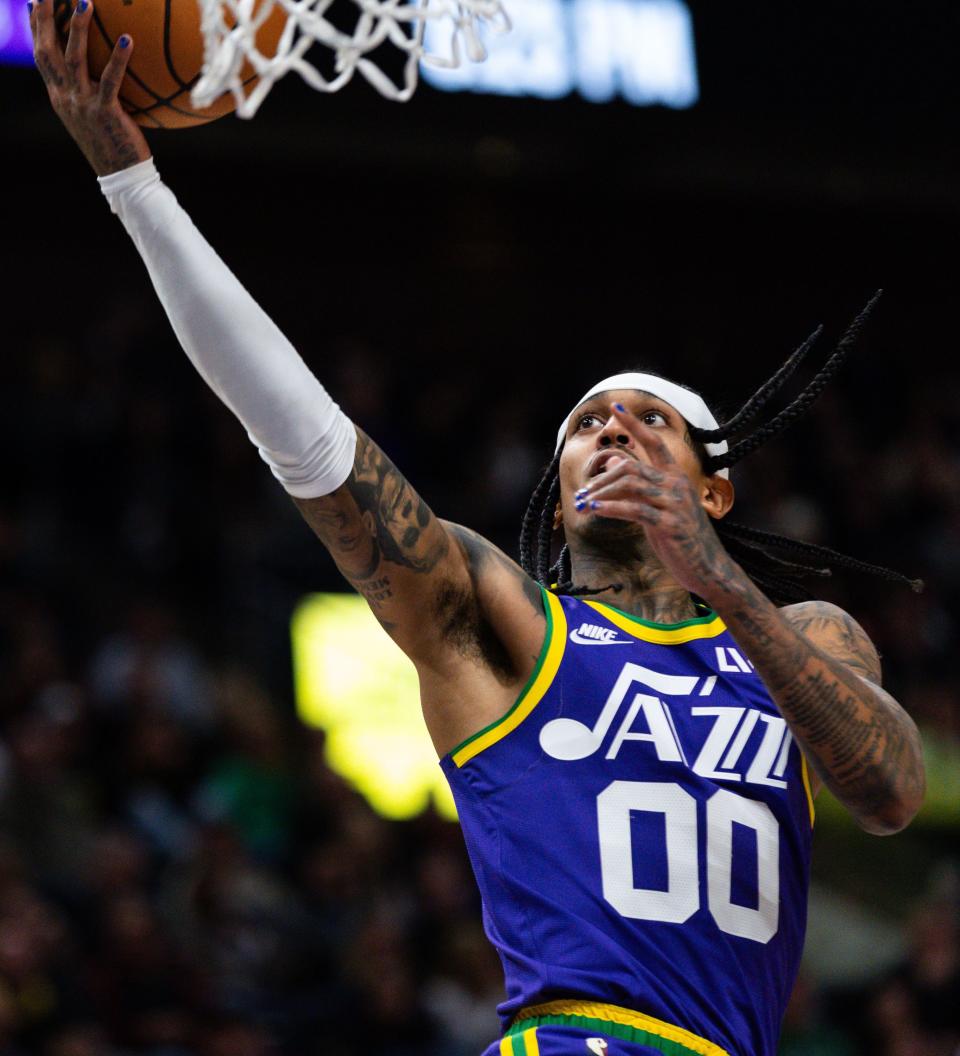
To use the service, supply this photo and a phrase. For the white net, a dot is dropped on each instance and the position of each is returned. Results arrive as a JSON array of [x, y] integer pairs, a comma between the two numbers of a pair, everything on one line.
[[234, 31]]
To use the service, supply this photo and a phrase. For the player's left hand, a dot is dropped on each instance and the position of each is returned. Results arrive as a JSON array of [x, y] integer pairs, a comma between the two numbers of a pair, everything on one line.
[[655, 491]]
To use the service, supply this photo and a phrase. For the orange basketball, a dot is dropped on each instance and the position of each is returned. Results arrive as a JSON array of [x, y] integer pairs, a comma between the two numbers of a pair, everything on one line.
[[167, 56]]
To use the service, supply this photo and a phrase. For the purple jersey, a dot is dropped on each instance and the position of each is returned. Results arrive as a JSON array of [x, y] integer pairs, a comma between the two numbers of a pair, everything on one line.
[[639, 824]]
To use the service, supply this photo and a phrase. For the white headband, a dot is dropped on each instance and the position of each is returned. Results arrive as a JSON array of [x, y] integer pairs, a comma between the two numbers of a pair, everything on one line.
[[682, 400]]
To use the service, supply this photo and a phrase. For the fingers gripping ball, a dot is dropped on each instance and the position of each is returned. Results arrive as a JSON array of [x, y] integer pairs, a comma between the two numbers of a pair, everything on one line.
[[167, 56]]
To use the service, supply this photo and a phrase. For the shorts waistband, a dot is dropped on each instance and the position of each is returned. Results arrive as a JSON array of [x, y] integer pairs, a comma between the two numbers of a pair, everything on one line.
[[623, 1023]]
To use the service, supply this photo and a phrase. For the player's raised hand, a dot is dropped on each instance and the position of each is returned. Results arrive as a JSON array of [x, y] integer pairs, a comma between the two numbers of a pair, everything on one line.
[[90, 110], [655, 491]]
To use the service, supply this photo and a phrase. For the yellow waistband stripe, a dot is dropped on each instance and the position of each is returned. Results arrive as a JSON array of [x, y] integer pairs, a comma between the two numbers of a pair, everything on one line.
[[614, 1014], [543, 675], [523, 1044]]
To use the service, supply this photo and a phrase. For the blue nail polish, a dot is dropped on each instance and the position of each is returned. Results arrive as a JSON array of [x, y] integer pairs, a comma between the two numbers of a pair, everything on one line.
[[124, 41], [81, 7], [579, 504], [30, 5], [620, 408], [579, 492], [594, 504]]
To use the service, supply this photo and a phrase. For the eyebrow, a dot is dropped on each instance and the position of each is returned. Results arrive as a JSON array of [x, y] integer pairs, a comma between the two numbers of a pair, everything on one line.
[[601, 400]]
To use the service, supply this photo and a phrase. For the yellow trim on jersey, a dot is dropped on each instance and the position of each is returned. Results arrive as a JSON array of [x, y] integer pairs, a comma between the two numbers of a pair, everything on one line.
[[625, 1017], [529, 1046], [661, 633], [805, 774], [540, 681]]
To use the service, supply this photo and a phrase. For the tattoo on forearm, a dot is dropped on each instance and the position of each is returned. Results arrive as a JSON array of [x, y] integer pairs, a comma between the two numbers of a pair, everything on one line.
[[860, 741], [122, 153]]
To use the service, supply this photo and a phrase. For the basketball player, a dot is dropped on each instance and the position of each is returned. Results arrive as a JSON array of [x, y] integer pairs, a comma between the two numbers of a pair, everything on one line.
[[635, 753]]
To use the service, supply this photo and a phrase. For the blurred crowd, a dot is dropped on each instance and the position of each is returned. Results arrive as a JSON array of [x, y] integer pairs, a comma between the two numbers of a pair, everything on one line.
[[181, 874]]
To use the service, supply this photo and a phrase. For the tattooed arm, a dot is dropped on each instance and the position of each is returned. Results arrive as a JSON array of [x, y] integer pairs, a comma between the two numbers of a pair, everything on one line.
[[467, 616], [824, 675], [470, 619], [817, 664]]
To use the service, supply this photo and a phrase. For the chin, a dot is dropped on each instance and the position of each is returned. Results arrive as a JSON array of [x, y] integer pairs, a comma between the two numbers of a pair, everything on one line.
[[599, 529]]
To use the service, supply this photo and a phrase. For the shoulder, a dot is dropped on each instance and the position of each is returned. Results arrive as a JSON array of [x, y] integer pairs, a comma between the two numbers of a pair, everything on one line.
[[500, 600], [837, 634]]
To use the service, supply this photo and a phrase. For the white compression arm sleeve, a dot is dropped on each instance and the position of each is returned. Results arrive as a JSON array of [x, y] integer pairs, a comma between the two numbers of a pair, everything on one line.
[[302, 435]]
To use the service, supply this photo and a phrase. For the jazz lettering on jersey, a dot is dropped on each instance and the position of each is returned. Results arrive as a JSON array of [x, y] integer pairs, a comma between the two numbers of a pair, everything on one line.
[[631, 715]]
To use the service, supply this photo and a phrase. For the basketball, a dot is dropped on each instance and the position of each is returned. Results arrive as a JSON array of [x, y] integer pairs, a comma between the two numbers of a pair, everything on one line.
[[167, 56]]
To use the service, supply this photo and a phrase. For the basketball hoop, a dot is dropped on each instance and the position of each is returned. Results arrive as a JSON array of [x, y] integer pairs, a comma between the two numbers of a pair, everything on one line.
[[232, 59]]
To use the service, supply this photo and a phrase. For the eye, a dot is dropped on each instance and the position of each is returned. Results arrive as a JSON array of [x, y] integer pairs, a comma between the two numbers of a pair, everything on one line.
[[653, 418], [587, 421]]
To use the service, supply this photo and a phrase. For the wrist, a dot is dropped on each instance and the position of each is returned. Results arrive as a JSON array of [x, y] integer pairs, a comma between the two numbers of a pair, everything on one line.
[[123, 179], [117, 145], [727, 589]]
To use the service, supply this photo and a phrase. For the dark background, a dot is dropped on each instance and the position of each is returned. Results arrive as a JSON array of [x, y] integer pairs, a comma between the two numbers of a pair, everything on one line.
[[179, 872]]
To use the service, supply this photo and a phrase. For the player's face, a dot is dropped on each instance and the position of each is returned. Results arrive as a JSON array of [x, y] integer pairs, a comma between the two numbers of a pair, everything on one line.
[[594, 442]]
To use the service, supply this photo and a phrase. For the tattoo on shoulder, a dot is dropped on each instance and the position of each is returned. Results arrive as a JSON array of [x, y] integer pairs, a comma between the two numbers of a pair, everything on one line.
[[481, 555], [838, 635], [459, 612]]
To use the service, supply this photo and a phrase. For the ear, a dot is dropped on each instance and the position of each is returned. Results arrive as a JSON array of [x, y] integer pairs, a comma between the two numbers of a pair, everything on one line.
[[557, 517], [716, 496]]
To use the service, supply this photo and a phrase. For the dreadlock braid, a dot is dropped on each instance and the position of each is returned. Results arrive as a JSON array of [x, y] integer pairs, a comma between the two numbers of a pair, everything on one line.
[[800, 405], [532, 517], [742, 544], [545, 532], [779, 578], [759, 399], [782, 542]]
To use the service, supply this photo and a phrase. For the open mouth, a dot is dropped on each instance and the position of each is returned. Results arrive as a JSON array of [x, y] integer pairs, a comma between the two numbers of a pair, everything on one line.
[[602, 461]]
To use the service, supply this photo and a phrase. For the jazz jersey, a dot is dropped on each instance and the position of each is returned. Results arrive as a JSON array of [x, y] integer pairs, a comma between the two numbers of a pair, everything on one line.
[[639, 824]]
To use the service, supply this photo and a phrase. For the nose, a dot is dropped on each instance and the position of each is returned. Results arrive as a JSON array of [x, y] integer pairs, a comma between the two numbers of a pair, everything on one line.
[[612, 433]]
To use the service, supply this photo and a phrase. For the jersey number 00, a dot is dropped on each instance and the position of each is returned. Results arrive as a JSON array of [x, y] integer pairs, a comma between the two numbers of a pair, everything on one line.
[[681, 899]]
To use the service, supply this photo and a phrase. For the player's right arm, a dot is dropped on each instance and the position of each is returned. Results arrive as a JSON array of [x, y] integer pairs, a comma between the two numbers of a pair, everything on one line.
[[433, 585], [467, 616]]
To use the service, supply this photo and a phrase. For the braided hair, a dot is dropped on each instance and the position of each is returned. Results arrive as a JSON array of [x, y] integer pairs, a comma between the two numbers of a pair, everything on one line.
[[759, 553]]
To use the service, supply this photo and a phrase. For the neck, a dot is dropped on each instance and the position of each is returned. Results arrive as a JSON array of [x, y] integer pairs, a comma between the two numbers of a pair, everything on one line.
[[647, 590]]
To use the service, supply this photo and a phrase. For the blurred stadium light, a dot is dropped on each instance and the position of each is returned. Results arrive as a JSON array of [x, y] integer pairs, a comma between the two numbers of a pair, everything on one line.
[[642, 50], [15, 43], [352, 682]]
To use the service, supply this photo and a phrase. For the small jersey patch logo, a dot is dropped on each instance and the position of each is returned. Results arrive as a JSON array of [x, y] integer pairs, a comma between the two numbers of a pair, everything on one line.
[[598, 1046], [591, 634]]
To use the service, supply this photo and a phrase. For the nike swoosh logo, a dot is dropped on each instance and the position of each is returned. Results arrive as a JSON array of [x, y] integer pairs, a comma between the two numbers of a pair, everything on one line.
[[575, 637]]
